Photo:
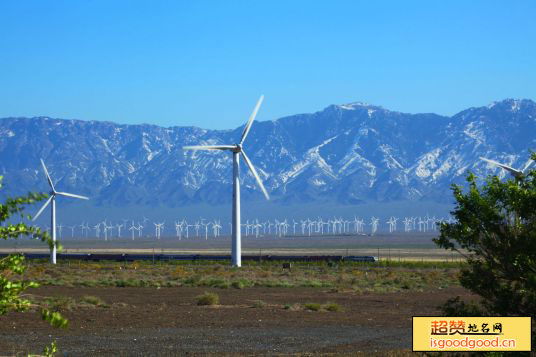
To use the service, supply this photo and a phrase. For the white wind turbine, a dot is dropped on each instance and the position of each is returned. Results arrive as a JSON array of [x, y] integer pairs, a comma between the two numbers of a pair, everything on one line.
[[374, 221], [236, 254], [53, 193], [131, 229], [514, 172]]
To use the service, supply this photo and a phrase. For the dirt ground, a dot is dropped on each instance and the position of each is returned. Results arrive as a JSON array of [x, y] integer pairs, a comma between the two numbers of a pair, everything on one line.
[[167, 321]]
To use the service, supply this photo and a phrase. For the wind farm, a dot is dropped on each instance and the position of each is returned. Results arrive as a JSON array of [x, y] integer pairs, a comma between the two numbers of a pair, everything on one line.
[[293, 263], [267, 178]]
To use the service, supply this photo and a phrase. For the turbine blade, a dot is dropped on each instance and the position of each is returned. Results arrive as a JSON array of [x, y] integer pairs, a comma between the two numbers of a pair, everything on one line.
[[251, 118], [512, 170], [42, 208], [72, 195], [507, 168], [209, 147], [254, 172], [527, 165], [48, 176], [490, 161]]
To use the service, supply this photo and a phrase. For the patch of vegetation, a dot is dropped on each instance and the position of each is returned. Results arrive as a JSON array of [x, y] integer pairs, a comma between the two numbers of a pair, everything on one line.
[[344, 276], [310, 283], [93, 300], [457, 307], [270, 283], [496, 224], [242, 283], [312, 306], [59, 303], [215, 283], [258, 304], [238, 284], [208, 299], [333, 307], [13, 282]]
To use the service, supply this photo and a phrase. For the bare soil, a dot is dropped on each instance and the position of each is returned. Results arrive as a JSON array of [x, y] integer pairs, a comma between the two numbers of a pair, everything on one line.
[[167, 321]]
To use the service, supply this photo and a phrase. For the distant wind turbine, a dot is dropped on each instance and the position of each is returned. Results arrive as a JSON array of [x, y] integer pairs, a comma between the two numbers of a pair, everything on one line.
[[236, 254], [52, 198], [514, 172]]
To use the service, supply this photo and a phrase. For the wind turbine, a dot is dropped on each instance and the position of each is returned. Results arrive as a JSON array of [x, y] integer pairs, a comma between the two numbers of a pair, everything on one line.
[[53, 193], [236, 253], [516, 173]]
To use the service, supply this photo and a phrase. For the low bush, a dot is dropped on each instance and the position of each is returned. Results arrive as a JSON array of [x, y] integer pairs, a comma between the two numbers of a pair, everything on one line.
[[208, 299], [59, 303], [333, 307], [237, 284], [274, 283], [258, 304], [312, 306], [457, 307], [215, 283], [93, 300]]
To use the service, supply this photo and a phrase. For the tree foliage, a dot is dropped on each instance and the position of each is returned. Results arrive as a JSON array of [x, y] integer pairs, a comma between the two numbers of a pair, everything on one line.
[[495, 228], [12, 266]]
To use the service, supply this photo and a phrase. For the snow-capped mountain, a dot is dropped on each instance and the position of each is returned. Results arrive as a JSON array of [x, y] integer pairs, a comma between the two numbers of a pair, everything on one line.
[[343, 154]]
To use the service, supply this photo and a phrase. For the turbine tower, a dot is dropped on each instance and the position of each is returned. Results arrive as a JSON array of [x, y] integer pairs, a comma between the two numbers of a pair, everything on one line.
[[52, 198], [236, 253]]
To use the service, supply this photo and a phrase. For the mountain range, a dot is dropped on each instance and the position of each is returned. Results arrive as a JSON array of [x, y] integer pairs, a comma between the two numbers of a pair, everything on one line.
[[347, 154]]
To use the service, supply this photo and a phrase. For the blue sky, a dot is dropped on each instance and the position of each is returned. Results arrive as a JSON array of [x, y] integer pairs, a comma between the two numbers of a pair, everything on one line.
[[205, 63]]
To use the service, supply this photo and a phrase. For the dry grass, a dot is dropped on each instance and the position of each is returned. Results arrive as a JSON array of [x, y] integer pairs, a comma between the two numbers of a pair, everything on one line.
[[356, 277]]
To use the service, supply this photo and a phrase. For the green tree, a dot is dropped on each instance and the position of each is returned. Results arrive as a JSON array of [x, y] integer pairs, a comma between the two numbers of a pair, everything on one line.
[[495, 229], [13, 265]]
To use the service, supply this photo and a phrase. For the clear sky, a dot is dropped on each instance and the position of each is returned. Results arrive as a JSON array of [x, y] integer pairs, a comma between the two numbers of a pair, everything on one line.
[[205, 63]]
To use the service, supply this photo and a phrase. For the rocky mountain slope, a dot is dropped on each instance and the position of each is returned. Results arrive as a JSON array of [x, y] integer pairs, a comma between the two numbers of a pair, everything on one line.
[[345, 154]]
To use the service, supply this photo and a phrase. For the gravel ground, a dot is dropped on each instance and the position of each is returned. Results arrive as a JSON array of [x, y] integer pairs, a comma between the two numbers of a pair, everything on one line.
[[167, 321]]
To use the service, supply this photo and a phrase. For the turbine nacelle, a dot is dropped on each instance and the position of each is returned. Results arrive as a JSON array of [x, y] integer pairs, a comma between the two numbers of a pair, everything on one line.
[[53, 193], [237, 148]]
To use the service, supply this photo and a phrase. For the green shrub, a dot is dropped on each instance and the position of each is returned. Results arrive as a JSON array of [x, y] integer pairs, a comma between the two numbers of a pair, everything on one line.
[[93, 300], [242, 283], [217, 283], [312, 306], [457, 307], [59, 303], [494, 228], [333, 307], [316, 284], [208, 299], [273, 283], [191, 280], [237, 284], [258, 304], [88, 283]]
